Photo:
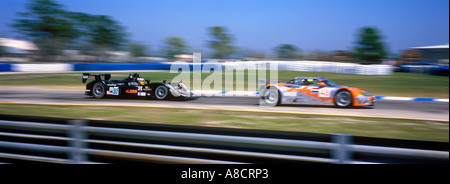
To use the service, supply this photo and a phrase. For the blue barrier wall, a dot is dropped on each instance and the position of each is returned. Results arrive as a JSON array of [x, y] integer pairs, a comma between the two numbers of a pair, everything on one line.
[[8, 67], [137, 66], [5, 67], [441, 71], [111, 67]]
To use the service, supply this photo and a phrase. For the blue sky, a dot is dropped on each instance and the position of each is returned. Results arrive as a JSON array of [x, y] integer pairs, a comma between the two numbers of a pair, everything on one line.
[[261, 25]]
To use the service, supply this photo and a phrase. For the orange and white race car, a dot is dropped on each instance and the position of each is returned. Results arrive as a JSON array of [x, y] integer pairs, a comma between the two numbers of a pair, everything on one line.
[[314, 91]]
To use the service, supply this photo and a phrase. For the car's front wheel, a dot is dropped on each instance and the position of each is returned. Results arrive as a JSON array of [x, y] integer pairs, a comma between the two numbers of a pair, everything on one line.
[[271, 97], [98, 90], [343, 98]]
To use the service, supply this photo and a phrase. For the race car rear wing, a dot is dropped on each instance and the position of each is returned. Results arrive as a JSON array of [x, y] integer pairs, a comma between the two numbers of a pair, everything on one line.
[[85, 76]]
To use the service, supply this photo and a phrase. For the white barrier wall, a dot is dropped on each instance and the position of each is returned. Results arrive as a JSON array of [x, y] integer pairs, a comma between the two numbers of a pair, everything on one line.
[[317, 66], [57, 67]]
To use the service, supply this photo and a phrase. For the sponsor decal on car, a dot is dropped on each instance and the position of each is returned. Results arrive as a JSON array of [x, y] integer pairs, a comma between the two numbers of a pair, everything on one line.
[[113, 91], [131, 91]]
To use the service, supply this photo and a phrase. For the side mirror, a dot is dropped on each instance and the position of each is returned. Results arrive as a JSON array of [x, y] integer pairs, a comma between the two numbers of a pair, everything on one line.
[[322, 84], [148, 82]]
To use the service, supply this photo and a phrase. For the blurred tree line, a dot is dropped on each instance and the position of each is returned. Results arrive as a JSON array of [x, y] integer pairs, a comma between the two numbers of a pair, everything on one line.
[[54, 29], [174, 46], [287, 52], [2, 51], [221, 42], [369, 48]]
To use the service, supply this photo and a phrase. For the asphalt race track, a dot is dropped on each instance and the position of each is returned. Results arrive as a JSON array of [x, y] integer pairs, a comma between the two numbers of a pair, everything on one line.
[[383, 108]]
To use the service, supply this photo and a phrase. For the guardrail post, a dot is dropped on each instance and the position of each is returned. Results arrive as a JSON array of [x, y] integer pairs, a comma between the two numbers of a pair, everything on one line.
[[341, 153], [77, 135]]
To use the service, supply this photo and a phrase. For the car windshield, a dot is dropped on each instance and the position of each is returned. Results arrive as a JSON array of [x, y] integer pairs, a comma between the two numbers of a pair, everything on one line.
[[329, 83], [311, 82]]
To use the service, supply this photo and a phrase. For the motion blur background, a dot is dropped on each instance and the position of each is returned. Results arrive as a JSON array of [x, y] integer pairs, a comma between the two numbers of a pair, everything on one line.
[[368, 32], [395, 49]]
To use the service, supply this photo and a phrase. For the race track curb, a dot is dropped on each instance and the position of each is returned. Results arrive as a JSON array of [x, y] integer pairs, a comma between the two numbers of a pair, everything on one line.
[[411, 99]]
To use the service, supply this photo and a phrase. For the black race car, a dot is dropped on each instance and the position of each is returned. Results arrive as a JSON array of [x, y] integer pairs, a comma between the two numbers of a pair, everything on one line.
[[134, 86]]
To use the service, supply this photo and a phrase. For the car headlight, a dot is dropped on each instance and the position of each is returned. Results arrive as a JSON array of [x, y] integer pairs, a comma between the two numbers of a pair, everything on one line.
[[365, 94]]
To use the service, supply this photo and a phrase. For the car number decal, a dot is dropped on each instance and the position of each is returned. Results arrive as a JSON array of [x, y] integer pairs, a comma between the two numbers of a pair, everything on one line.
[[324, 92]]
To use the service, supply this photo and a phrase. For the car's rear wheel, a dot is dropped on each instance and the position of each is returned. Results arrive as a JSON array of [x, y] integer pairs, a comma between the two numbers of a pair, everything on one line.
[[343, 98], [98, 90], [161, 92]]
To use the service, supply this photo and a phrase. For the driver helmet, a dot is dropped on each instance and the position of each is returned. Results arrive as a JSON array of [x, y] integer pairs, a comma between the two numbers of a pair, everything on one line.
[[307, 82], [141, 80]]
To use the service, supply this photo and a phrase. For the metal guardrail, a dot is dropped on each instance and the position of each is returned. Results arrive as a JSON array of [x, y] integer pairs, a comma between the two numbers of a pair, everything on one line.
[[82, 141]]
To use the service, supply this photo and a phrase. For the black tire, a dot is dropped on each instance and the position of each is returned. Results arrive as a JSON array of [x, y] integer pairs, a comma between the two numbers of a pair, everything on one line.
[[343, 98], [98, 90], [271, 97], [161, 92]]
